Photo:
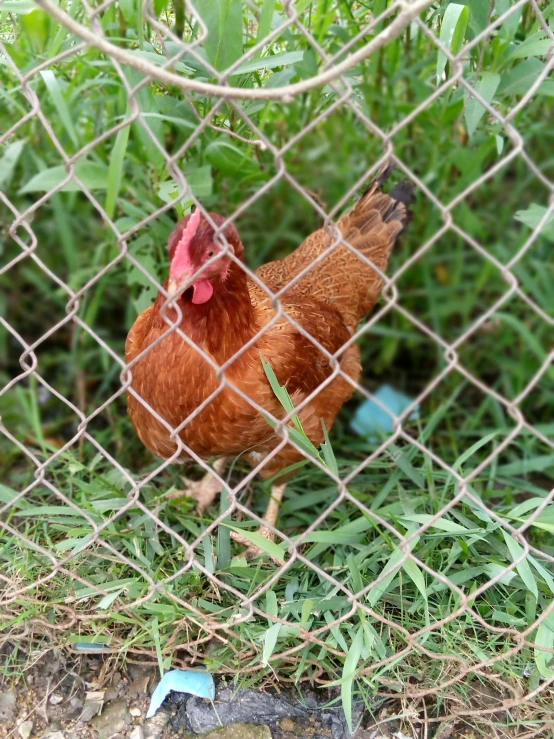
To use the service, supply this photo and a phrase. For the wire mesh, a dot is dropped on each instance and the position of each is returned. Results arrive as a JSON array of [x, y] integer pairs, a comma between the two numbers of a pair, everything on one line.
[[207, 627]]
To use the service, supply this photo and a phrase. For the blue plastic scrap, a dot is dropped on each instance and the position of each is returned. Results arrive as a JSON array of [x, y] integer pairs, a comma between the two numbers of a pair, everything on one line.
[[372, 421], [194, 682], [88, 646]]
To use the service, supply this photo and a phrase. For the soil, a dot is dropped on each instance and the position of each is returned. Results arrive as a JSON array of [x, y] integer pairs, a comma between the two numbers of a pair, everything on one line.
[[62, 696]]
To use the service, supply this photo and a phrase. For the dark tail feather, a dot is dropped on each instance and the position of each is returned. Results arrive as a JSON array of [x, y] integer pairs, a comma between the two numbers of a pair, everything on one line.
[[392, 206], [402, 197]]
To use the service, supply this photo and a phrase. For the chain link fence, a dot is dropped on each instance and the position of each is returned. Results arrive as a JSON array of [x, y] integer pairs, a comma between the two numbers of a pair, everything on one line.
[[214, 615]]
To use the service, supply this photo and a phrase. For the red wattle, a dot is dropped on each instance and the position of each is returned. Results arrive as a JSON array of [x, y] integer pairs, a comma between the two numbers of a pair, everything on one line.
[[202, 291]]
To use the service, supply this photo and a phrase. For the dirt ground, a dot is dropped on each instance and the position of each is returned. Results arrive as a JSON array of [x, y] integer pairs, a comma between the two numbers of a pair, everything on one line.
[[63, 696]]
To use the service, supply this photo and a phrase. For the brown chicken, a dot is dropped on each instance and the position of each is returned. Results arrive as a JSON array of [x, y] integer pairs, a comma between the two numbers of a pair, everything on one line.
[[224, 309]]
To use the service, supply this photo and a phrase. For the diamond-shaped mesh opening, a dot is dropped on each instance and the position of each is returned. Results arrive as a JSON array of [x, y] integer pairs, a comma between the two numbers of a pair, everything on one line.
[[523, 340], [423, 560], [451, 286]]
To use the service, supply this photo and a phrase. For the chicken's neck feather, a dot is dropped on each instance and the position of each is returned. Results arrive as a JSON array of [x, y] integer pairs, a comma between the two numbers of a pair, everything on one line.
[[225, 323]]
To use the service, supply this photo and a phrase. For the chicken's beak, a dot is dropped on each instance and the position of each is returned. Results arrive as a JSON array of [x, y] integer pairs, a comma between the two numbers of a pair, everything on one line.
[[172, 287]]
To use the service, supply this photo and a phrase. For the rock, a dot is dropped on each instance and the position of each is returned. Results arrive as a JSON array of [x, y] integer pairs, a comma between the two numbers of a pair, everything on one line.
[[94, 700], [24, 730], [135, 711], [139, 686], [7, 705], [113, 719], [53, 735], [137, 733], [243, 706], [285, 716], [74, 708], [241, 731], [155, 726], [55, 698]]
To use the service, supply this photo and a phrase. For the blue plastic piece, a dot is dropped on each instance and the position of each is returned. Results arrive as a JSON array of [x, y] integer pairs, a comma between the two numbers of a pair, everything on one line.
[[194, 682], [88, 646], [373, 422]]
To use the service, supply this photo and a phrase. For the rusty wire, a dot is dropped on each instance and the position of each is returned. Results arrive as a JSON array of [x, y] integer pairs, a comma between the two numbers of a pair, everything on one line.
[[404, 12]]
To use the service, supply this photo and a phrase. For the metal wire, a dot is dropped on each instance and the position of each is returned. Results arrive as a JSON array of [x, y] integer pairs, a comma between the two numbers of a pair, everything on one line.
[[404, 13]]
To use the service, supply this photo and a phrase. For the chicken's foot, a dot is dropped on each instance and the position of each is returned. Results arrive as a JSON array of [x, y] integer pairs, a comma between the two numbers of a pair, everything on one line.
[[270, 517], [205, 490]]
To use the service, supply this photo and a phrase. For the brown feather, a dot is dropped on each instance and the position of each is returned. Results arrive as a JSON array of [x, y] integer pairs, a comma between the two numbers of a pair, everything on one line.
[[174, 378]]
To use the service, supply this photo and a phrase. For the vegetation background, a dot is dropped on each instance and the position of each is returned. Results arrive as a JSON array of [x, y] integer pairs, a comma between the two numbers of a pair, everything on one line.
[[451, 143]]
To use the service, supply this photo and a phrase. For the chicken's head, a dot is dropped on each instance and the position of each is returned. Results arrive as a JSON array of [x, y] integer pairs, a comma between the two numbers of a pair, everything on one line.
[[193, 244]]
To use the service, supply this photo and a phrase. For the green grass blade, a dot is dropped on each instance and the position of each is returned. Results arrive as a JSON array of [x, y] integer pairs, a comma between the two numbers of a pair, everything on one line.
[[115, 170], [523, 569], [269, 547], [453, 31], [349, 673], [328, 453], [53, 87]]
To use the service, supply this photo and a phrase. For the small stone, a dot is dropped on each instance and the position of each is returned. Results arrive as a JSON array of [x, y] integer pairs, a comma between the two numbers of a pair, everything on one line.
[[55, 698], [139, 686], [113, 719], [137, 733], [7, 705], [135, 711], [75, 708], [94, 701], [287, 724], [241, 731], [25, 729], [154, 728], [53, 735]]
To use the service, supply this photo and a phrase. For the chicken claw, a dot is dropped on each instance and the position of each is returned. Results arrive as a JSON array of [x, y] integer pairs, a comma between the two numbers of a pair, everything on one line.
[[205, 490], [270, 517]]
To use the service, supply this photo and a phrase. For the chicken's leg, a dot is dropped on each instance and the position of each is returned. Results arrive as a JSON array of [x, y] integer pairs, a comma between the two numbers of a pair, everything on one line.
[[204, 490], [270, 517]]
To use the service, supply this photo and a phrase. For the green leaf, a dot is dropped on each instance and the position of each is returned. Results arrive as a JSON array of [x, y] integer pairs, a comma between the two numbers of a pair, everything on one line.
[[282, 395], [269, 547], [9, 161], [486, 87], [8, 494], [115, 170], [328, 453], [544, 640], [533, 216], [199, 180], [523, 569], [529, 337], [443, 524], [93, 175], [270, 640], [223, 19], [229, 159], [472, 449], [532, 46], [179, 12], [53, 87], [19, 7], [452, 35], [520, 79], [479, 14], [348, 674], [108, 599], [264, 25], [416, 576], [392, 567], [269, 62]]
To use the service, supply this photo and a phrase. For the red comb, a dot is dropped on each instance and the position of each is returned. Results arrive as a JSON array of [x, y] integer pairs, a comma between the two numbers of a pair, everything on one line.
[[181, 258]]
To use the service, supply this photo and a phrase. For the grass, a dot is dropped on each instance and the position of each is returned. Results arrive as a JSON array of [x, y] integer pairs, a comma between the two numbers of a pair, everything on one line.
[[104, 591]]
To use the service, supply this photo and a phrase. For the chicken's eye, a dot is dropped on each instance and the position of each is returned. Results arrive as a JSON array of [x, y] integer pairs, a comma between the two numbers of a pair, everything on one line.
[[210, 254]]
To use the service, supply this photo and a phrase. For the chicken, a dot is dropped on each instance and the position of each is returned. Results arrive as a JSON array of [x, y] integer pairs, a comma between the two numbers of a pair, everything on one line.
[[224, 311]]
